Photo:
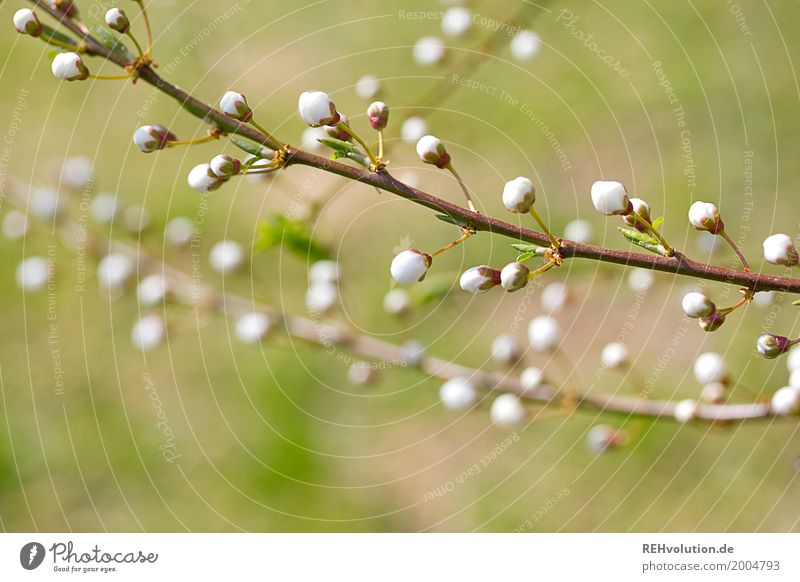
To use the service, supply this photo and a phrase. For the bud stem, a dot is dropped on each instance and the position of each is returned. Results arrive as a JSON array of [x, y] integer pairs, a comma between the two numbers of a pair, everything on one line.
[[639, 218], [456, 242], [342, 126], [195, 141], [463, 187], [271, 167], [748, 296], [543, 269], [55, 42], [380, 144], [147, 28], [264, 131], [109, 77], [544, 228], [735, 248], [136, 44]]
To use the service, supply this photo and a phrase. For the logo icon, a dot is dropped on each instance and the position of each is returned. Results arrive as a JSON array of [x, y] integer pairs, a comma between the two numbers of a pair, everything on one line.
[[31, 555]]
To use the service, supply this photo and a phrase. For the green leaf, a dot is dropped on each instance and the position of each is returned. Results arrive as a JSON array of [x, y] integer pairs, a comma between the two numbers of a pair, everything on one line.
[[525, 248], [53, 33], [339, 146], [525, 256], [451, 220], [112, 42], [295, 235], [796, 302], [250, 148], [642, 240], [658, 222]]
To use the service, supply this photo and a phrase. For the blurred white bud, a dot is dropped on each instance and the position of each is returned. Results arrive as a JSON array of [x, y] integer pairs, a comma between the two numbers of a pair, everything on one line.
[[44, 203], [514, 276], [116, 19], [179, 231], [713, 393], [151, 138], [321, 297], [226, 256], [785, 401], [103, 208], [235, 105], [317, 108], [324, 271], [77, 172], [151, 290], [793, 359], [554, 297], [507, 410], [413, 352], [148, 332], [310, 138], [397, 302], [202, 179], [251, 328], [614, 355], [685, 411], [602, 438], [431, 150], [710, 367], [113, 271], [428, 51], [361, 373], [32, 273], [771, 346], [136, 218], [368, 87], [410, 266], [779, 250], [641, 208], [705, 216], [531, 378], [456, 22], [794, 379], [696, 304], [506, 350], [579, 230], [26, 22], [610, 197], [640, 280], [519, 195], [458, 394], [15, 224], [765, 298], [413, 129], [480, 278], [525, 45], [69, 67], [544, 333]]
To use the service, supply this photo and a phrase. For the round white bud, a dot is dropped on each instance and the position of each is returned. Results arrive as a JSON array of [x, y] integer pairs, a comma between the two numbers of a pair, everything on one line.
[[397, 302], [640, 280], [26, 22], [614, 355], [324, 271], [202, 179], [32, 273], [506, 350], [579, 230], [361, 373], [226, 256], [793, 359], [235, 105], [519, 195], [544, 333], [69, 67], [113, 271], [514, 276], [413, 352], [602, 438], [456, 22], [317, 109], [696, 304], [15, 224], [224, 166], [103, 208], [77, 172], [179, 231], [431, 150], [525, 45], [610, 198], [321, 297], [641, 208], [151, 290], [368, 87], [531, 378], [428, 51], [480, 278], [685, 411], [713, 393], [554, 297], [710, 367], [410, 266], [116, 19], [151, 138], [785, 401], [507, 410], [251, 328], [148, 332], [779, 250], [705, 216], [458, 394], [44, 203], [378, 115], [413, 129]]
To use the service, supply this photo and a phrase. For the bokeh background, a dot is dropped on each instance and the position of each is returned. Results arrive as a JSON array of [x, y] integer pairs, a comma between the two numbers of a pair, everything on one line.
[[274, 437]]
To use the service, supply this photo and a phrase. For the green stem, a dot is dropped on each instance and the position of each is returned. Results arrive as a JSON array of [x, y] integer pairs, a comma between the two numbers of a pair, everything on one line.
[[456, 242], [646, 223], [544, 228], [136, 44], [735, 248], [342, 126], [463, 187], [262, 130]]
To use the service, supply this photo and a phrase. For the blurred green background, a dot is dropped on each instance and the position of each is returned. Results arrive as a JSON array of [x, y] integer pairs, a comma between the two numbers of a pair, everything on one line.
[[275, 438]]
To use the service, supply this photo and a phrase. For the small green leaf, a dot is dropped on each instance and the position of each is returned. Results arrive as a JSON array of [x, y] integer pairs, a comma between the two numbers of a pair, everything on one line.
[[450, 220], [53, 33], [339, 145], [796, 302], [112, 42], [250, 148], [294, 235], [642, 240], [525, 256], [658, 222], [525, 248]]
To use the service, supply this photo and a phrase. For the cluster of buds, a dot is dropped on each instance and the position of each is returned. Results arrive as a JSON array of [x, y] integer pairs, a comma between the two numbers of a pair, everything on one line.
[[697, 306]]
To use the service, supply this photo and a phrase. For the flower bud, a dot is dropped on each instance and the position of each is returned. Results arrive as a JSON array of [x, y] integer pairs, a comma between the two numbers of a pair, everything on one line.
[[642, 208], [713, 393], [148, 332], [226, 256], [712, 322], [26, 22], [710, 367], [431, 150], [428, 51], [514, 276], [336, 133], [235, 105], [151, 290], [32, 273], [481, 278], [410, 266], [785, 401], [397, 302], [456, 22], [15, 224], [696, 304], [66, 6], [705, 216], [361, 373], [251, 328], [506, 350], [458, 394], [507, 410], [103, 208], [771, 346], [324, 271], [685, 411], [225, 166], [779, 250], [544, 333], [202, 179], [368, 87], [413, 129], [531, 379], [602, 438], [579, 230], [614, 355], [525, 45], [113, 271], [519, 195], [150, 138], [317, 109], [116, 19], [413, 352], [321, 297], [610, 198], [179, 231], [378, 115], [69, 67], [554, 297]]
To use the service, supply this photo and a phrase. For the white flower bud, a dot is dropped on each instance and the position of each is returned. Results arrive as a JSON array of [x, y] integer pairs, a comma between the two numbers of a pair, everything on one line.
[[151, 290], [779, 250], [431, 150], [361, 373], [368, 87], [413, 352], [26, 22], [44, 204], [765, 298], [77, 172], [793, 359], [251, 328], [136, 218], [685, 411], [116, 19], [614, 355], [413, 129], [32, 273], [710, 367], [579, 230], [519, 195], [785, 401], [428, 51], [696, 304], [15, 225], [610, 197], [525, 45], [151, 138], [544, 333], [69, 67], [531, 378], [310, 139], [410, 266], [113, 271], [226, 256], [378, 115], [794, 379], [713, 393], [103, 208], [640, 280], [456, 22], [506, 350], [321, 297], [771, 346], [235, 105], [324, 271], [224, 166], [397, 302], [705, 216], [179, 231], [554, 297], [641, 208], [481, 278], [202, 179], [514, 276], [316, 108], [602, 438], [458, 394], [507, 410], [148, 332]]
